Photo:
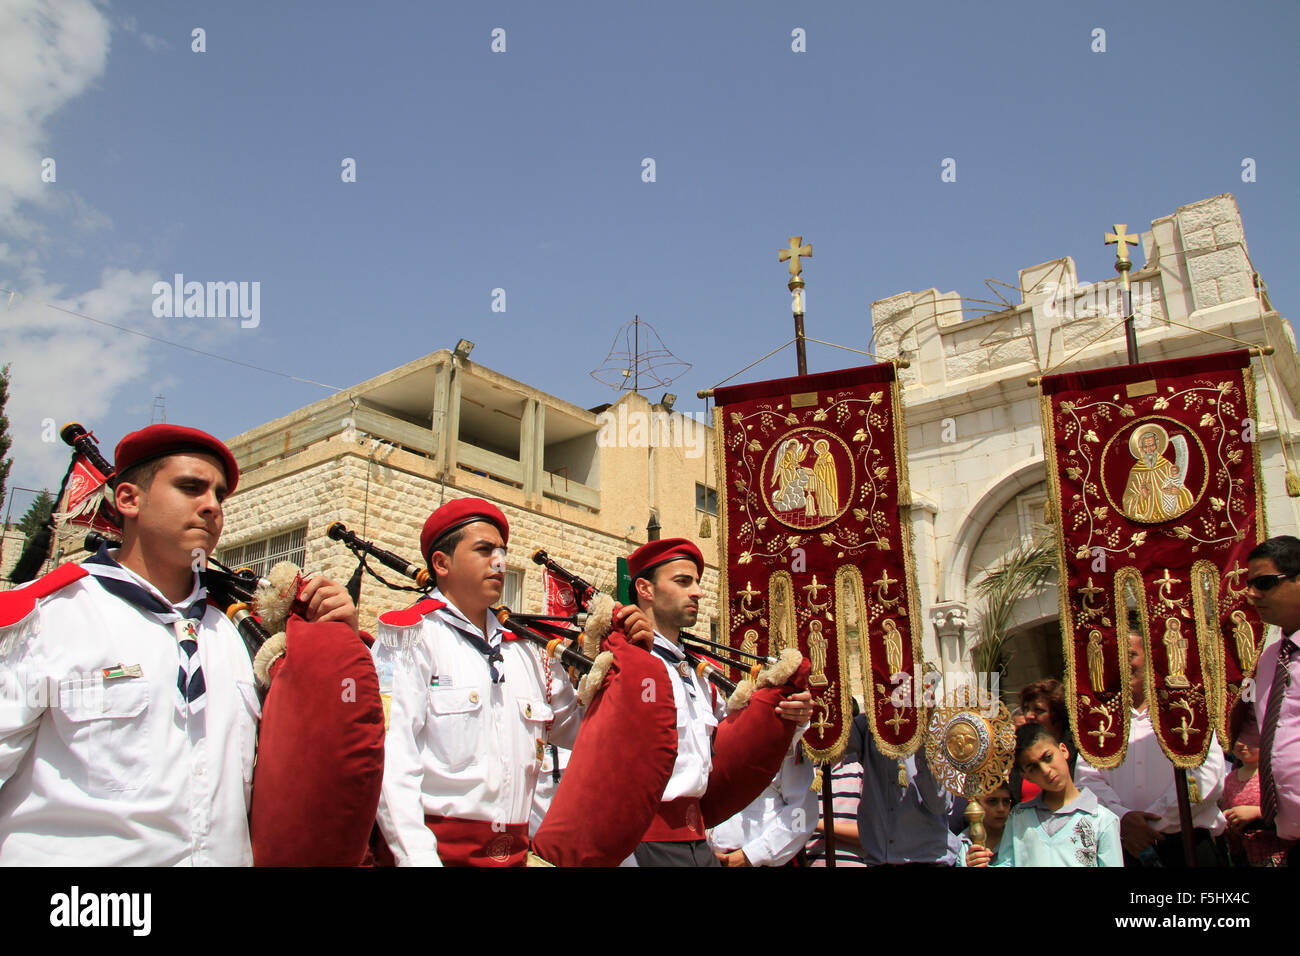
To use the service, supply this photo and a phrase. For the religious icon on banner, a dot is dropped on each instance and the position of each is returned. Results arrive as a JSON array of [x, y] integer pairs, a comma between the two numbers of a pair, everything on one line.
[[1156, 488], [1154, 475], [817, 550]]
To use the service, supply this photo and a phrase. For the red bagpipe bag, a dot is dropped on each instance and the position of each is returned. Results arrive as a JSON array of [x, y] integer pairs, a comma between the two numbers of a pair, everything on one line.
[[1156, 491], [816, 527], [621, 762], [320, 751], [750, 744]]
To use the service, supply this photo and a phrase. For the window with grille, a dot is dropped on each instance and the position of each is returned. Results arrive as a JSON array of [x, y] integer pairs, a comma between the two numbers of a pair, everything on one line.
[[512, 595], [263, 555]]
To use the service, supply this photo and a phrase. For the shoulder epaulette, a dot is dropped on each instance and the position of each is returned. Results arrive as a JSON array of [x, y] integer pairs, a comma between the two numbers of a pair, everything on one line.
[[17, 604], [410, 616], [18, 619]]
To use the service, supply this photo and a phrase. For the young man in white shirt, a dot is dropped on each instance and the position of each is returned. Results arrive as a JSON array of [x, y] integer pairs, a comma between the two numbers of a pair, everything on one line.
[[128, 712], [666, 578]]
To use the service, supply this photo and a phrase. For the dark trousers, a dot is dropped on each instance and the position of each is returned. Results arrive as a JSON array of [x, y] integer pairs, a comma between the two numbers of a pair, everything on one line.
[[685, 853]]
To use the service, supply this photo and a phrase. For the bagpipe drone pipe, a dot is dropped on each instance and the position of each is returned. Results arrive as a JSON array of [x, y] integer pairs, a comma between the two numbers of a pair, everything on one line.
[[84, 498]]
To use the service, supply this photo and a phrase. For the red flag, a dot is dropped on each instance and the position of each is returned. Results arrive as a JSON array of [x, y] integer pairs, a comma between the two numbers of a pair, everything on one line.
[[559, 596], [814, 481], [85, 500], [1154, 474]]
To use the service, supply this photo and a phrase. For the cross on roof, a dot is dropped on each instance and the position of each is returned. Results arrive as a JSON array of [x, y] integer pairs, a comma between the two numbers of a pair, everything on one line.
[[1124, 240], [796, 249]]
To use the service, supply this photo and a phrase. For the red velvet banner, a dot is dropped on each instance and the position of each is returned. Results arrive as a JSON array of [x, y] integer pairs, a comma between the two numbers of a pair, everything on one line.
[[1154, 475], [816, 528]]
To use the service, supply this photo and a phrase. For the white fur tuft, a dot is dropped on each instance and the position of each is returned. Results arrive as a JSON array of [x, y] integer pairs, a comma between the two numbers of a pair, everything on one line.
[[780, 672], [600, 621], [739, 698], [272, 603], [268, 654], [595, 677]]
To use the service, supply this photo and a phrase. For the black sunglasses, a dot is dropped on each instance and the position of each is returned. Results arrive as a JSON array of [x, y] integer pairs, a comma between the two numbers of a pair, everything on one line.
[[1267, 582]]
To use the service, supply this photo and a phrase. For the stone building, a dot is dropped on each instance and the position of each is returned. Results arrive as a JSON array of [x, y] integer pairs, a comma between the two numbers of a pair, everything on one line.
[[974, 440], [381, 455]]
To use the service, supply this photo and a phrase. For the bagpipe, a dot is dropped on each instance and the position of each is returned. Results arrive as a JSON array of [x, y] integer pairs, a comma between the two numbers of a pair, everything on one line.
[[322, 727]]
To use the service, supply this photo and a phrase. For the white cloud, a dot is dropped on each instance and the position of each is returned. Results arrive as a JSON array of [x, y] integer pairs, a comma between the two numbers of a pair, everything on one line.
[[50, 52], [63, 367], [66, 368]]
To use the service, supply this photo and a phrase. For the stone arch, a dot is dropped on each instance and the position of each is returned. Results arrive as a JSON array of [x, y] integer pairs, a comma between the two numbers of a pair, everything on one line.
[[1004, 488]]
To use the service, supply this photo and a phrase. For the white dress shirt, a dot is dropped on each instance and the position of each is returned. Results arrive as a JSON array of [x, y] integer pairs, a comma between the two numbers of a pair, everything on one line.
[[1286, 738], [775, 827], [1145, 782], [698, 711], [459, 745], [102, 770]]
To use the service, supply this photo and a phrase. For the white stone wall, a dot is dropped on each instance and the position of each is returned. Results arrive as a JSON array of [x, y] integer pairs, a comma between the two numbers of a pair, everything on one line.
[[390, 510]]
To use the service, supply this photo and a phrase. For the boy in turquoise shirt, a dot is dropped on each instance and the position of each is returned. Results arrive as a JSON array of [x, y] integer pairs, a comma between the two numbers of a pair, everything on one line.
[[1063, 825]]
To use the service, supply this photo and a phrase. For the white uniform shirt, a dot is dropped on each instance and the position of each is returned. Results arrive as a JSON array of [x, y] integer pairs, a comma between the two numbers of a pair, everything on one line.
[[775, 827], [697, 719], [549, 775], [1145, 782], [459, 745], [98, 771]]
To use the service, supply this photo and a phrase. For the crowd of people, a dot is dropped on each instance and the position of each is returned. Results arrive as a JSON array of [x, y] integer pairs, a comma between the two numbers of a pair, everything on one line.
[[1054, 809], [129, 721]]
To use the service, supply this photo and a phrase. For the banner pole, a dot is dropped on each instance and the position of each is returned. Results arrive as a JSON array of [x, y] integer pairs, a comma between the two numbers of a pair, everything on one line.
[[1121, 239]]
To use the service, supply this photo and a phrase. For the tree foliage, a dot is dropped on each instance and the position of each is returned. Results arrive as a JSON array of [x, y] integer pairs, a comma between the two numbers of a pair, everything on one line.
[[1021, 574], [37, 514], [5, 441]]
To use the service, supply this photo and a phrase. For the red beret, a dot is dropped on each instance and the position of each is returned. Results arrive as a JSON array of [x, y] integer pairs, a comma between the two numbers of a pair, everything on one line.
[[457, 514], [155, 441], [650, 556]]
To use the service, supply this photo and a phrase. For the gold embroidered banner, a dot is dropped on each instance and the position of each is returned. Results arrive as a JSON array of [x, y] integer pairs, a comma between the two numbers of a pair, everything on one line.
[[816, 527], [1154, 474]]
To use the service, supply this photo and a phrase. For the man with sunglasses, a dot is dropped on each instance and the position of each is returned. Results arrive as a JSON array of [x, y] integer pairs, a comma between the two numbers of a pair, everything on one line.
[[1274, 590]]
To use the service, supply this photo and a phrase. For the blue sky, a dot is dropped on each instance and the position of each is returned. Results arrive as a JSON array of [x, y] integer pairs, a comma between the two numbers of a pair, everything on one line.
[[522, 170]]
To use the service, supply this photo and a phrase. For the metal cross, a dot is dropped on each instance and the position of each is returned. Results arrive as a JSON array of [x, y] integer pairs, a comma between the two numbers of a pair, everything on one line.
[[1124, 239], [798, 248]]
